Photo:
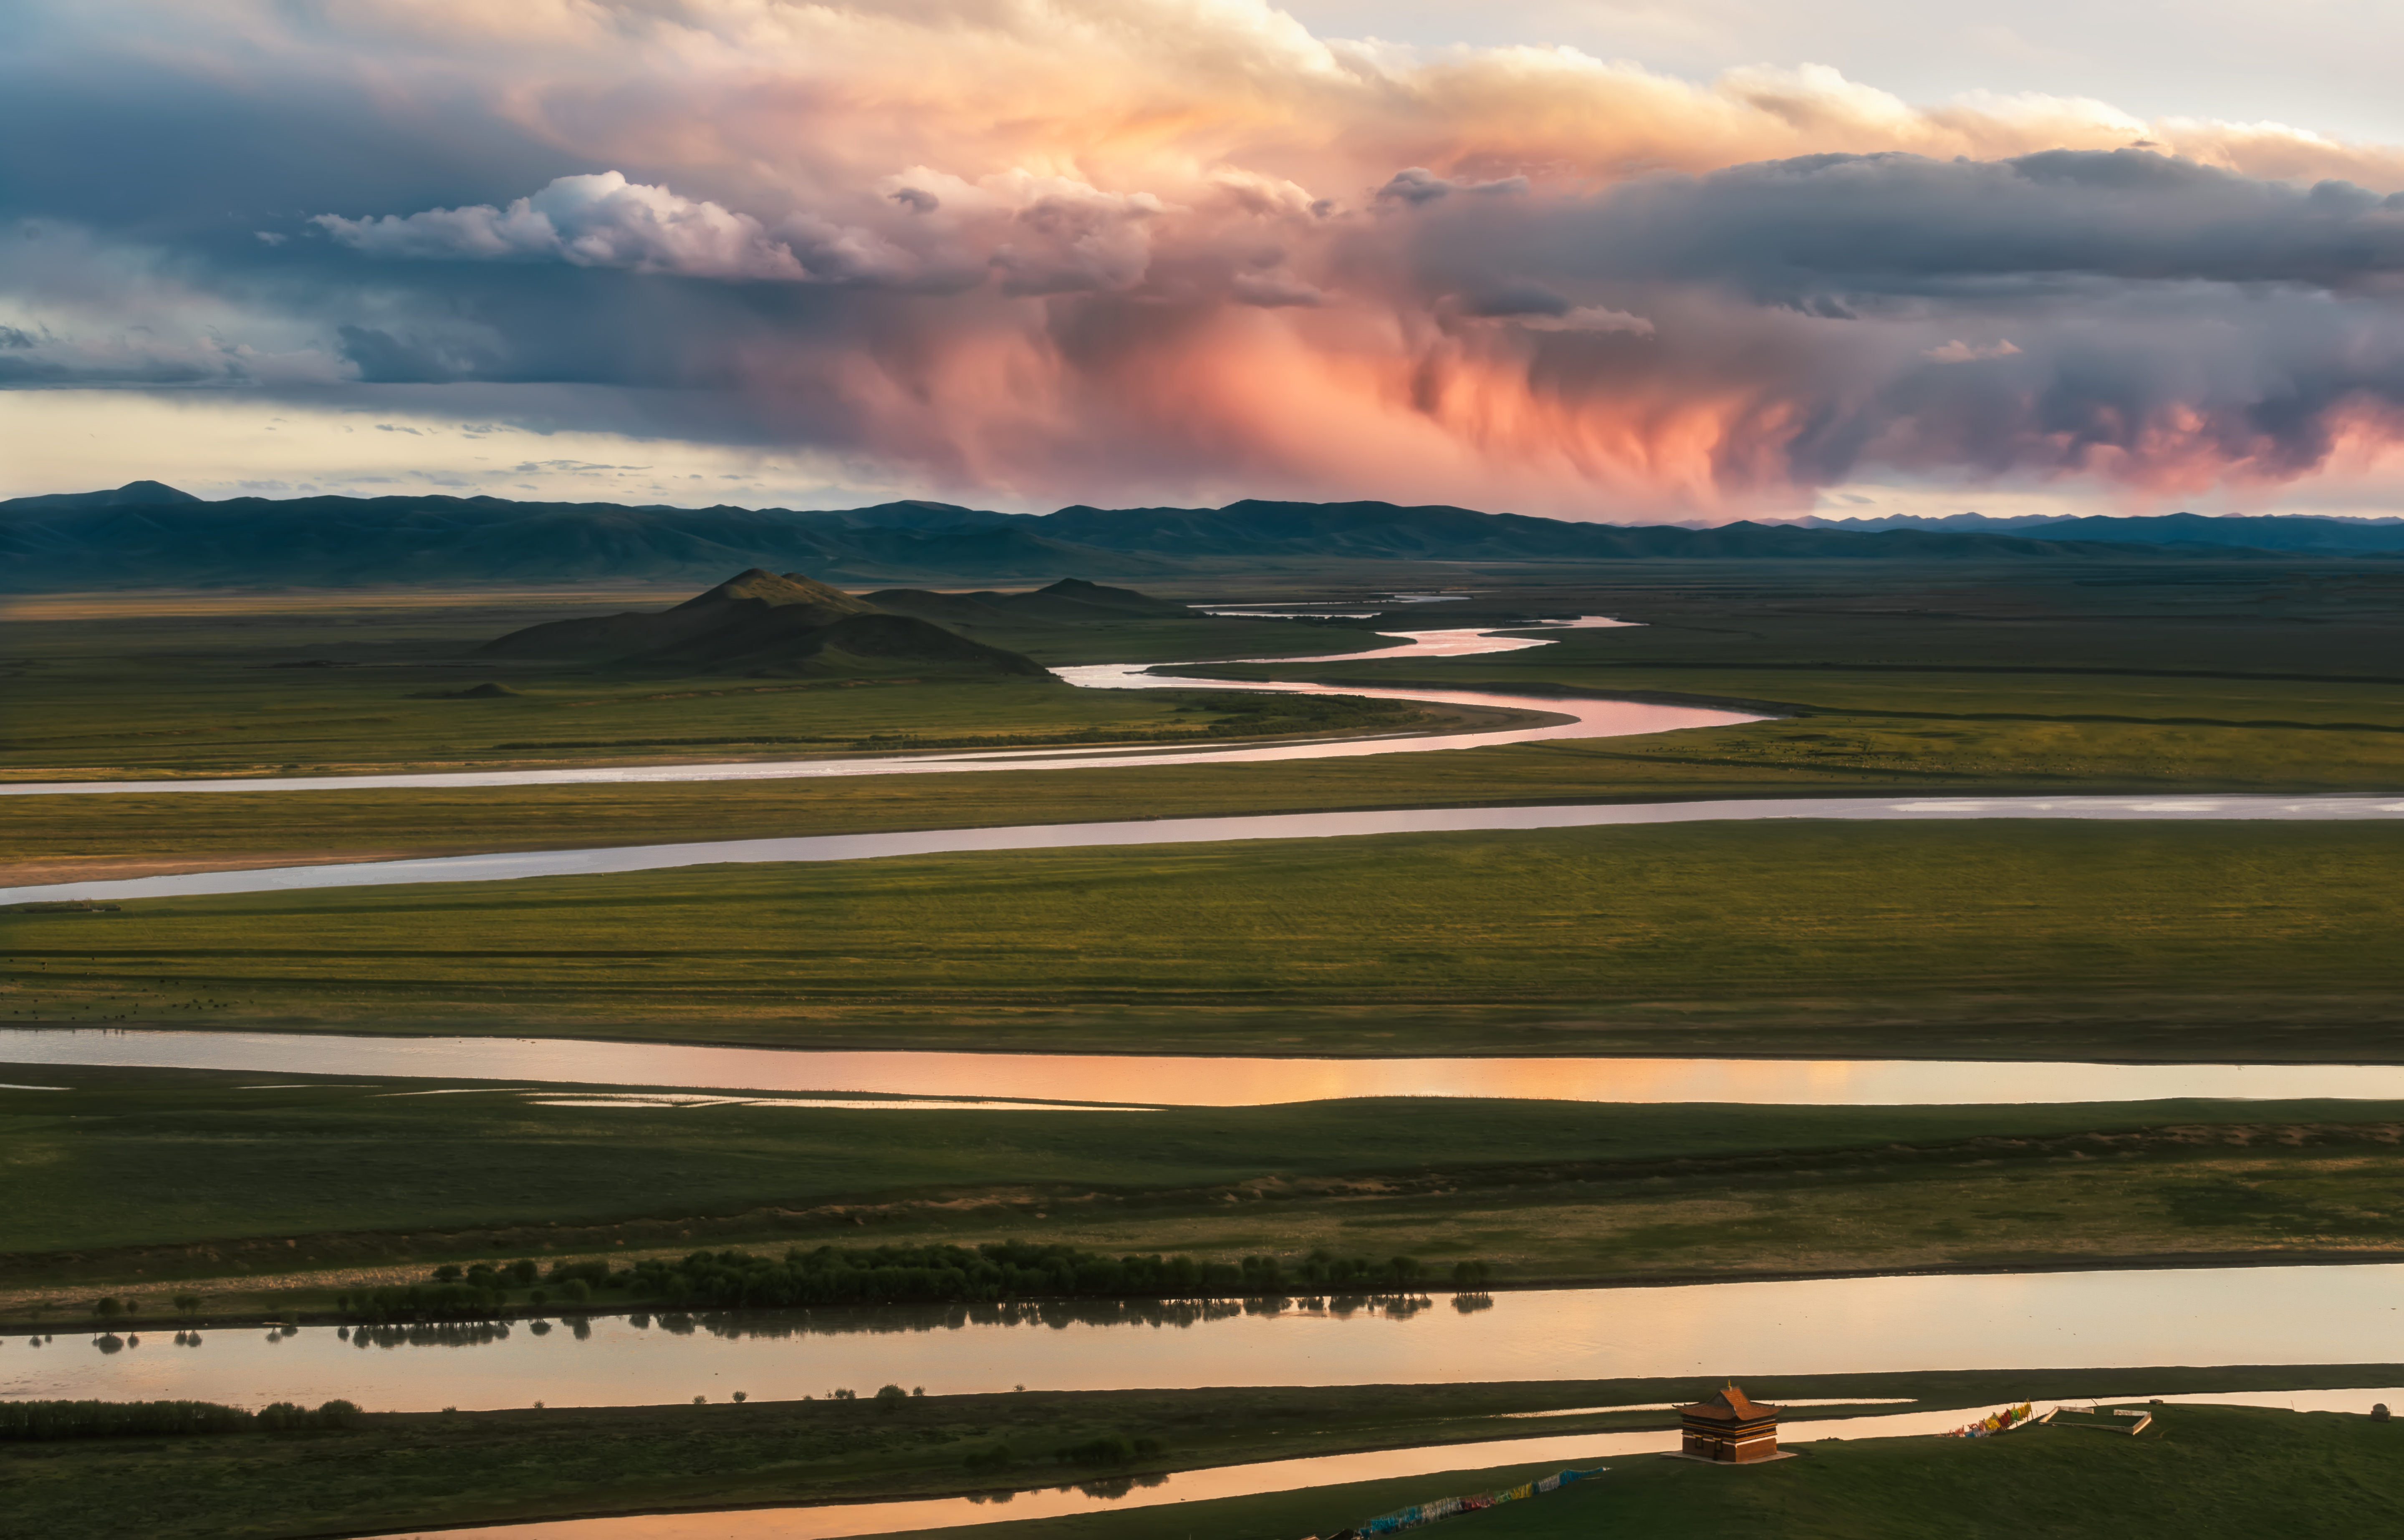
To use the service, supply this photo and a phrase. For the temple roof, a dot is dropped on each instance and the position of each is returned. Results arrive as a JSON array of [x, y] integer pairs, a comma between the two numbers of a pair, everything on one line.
[[1729, 1405]]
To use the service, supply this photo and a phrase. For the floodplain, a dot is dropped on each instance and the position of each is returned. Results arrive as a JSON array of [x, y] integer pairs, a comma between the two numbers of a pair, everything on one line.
[[1973, 939]]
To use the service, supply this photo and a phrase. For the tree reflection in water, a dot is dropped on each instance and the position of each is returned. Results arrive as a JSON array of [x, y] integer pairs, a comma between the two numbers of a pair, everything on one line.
[[1059, 1314]]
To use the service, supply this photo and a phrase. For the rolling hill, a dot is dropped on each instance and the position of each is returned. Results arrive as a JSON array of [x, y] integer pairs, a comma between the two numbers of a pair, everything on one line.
[[760, 622]]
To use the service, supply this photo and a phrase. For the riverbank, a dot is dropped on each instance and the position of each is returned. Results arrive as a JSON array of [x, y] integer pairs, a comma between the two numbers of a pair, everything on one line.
[[1981, 938], [253, 1303], [2212, 1473], [155, 1178], [394, 1472]]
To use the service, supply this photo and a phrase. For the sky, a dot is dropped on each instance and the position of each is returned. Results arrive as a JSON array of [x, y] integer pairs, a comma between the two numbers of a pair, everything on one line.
[[1613, 259]]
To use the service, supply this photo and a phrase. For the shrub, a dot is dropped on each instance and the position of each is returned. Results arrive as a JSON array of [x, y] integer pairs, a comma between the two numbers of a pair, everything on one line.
[[740, 1397], [891, 1398], [1110, 1449], [107, 1308], [523, 1272], [447, 1273], [188, 1303], [284, 1417], [116, 1418]]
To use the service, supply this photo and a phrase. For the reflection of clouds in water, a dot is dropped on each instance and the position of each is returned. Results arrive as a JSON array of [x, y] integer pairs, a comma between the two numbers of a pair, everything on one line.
[[2101, 1320], [1131, 1082], [673, 1101]]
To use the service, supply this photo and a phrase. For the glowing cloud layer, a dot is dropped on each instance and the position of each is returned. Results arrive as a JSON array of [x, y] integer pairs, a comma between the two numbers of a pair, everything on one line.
[[1173, 249]]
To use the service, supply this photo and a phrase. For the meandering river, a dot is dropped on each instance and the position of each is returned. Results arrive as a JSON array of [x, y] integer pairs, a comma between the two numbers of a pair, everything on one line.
[[1558, 718]]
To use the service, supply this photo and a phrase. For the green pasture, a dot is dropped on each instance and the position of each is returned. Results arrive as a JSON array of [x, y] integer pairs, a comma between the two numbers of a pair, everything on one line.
[[2207, 1471], [54, 839], [125, 1179], [274, 685], [1998, 939], [2027, 678]]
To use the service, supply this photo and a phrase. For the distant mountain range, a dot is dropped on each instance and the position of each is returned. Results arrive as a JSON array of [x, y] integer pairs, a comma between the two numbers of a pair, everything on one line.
[[2329, 535], [147, 534]]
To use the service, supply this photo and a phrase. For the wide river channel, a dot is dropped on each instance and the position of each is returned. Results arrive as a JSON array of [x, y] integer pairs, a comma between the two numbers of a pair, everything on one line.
[[1026, 1081], [2057, 1320]]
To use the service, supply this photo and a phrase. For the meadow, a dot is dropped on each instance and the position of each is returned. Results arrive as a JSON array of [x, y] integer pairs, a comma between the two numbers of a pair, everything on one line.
[[129, 687], [1995, 938], [2209, 1471], [2033, 678], [140, 1183]]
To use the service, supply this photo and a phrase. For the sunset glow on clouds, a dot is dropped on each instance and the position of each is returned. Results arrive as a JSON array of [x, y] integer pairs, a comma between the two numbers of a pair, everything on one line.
[[1122, 251]]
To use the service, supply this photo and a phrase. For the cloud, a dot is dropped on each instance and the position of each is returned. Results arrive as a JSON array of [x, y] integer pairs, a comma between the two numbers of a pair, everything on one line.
[[1416, 185], [1955, 351], [597, 221], [1174, 248]]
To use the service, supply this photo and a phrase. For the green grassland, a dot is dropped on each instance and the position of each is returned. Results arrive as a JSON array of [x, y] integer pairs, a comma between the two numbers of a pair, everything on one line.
[[2033, 678], [2262, 676], [2003, 938], [278, 1200], [192, 686], [2207, 1471]]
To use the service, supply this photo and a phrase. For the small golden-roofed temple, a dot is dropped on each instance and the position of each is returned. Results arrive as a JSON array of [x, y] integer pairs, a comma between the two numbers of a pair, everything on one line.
[[1730, 1428]]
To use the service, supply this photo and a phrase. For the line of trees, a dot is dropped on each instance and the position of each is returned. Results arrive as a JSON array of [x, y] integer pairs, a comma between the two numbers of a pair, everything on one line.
[[934, 1274], [1014, 1270], [43, 1420]]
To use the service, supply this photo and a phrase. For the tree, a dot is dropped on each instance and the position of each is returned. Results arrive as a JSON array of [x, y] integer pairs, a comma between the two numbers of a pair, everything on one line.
[[107, 1308]]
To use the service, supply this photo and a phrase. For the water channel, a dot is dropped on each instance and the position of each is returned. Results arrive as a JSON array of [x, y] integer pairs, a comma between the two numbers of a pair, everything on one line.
[[1019, 1080], [1556, 717], [2321, 1314], [517, 865]]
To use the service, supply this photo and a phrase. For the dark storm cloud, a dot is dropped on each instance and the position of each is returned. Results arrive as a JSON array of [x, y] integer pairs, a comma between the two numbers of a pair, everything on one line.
[[1903, 225]]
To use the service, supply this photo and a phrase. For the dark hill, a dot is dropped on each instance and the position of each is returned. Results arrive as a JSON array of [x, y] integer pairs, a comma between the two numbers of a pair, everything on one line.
[[753, 605], [1071, 601], [131, 494], [760, 622]]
